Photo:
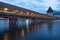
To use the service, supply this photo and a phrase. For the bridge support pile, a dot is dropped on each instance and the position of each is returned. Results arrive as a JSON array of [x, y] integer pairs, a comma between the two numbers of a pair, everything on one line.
[[13, 24]]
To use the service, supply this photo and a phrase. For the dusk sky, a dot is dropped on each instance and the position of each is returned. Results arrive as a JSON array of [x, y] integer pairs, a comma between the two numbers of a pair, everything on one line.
[[36, 5]]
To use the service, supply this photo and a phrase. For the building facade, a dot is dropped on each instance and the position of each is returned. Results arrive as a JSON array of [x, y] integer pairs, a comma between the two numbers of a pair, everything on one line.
[[50, 12]]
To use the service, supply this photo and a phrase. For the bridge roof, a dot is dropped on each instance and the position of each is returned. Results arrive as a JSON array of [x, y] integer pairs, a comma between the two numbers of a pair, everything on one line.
[[6, 5], [3, 4]]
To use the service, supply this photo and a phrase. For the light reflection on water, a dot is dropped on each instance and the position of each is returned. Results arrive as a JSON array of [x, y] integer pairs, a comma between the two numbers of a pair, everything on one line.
[[35, 31], [6, 36]]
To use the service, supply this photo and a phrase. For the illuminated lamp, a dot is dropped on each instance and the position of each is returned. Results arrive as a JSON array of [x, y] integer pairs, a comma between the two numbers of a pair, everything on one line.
[[31, 13], [5, 8], [27, 12]]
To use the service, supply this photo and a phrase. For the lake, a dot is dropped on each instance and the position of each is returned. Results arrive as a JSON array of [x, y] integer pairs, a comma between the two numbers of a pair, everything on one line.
[[26, 30]]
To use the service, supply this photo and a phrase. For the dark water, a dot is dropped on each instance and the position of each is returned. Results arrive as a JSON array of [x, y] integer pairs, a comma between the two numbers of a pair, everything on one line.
[[35, 31]]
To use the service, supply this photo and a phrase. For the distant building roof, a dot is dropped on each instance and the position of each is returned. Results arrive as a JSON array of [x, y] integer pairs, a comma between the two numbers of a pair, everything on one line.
[[49, 10]]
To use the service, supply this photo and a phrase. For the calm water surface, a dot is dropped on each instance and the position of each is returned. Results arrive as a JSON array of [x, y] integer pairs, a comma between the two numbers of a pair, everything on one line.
[[34, 31]]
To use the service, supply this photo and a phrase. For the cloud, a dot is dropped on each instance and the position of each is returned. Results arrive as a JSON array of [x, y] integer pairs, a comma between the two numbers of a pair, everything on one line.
[[36, 5]]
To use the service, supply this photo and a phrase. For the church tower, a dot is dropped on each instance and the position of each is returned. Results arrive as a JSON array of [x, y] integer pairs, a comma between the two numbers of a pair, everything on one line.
[[50, 11]]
